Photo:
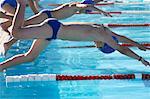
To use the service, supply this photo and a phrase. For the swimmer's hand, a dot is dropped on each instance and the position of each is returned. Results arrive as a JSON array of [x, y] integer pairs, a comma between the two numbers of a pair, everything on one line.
[[143, 48], [107, 14], [146, 63]]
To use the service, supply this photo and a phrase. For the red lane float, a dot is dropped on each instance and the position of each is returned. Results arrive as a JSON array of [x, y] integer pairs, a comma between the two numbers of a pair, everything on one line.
[[57, 77], [127, 25], [130, 45], [104, 77], [92, 46], [121, 12], [98, 77]]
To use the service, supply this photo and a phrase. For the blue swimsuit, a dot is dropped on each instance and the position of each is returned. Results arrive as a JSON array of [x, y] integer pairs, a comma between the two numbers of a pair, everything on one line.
[[12, 3], [106, 48], [55, 24]]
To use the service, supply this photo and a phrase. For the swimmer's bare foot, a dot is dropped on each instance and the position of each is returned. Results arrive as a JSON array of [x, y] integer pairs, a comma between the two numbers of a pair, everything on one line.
[[5, 26], [8, 44]]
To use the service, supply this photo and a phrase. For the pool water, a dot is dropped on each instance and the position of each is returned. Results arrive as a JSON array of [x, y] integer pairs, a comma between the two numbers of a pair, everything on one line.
[[84, 61]]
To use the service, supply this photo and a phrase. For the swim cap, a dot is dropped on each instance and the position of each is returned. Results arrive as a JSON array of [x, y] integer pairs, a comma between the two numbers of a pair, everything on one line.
[[12, 3], [88, 2], [106, 48]]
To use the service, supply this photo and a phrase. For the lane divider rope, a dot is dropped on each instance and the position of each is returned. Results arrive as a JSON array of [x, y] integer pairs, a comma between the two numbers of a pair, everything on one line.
[[120, 12], [130, 45], [99, 4], [127, 25], [92, 46], [111, 3], [57, 77]]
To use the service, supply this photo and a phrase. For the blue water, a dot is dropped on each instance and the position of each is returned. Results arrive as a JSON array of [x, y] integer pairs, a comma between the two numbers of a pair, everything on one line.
[[86, 61]]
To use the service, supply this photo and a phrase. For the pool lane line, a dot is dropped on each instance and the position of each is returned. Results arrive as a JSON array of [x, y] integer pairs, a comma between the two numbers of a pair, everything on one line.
[[99, 4], [93, 46], [61, 77], [111, 3], [127, 25], [119, 12]]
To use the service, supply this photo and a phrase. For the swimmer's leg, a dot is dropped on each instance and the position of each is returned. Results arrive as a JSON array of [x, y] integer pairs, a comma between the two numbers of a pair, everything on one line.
[[6, 25], [31, 21], [9, 13], [3, 15], [37, 47], [36, 19], [39, 31], [7, 45], [122, 39]]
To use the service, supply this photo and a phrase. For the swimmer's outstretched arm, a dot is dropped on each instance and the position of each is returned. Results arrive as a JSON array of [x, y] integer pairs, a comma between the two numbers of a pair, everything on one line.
[[124, 39], [64, 11], [124, 50], [37, 47], [69, 9], [93, 8]]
